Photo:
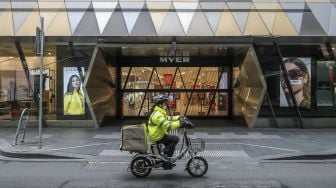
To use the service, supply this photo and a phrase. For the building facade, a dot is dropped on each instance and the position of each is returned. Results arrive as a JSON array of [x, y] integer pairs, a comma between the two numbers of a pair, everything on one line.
[[268, 62]]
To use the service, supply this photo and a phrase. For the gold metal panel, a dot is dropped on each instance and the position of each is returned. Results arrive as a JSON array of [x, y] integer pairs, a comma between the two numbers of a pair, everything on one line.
[[267, 16], [131, 0], [48, 15], [158, 16], [28, 28], [317, 1], [54, 28], [99, 88], [283, 26], [227, 25], [6, 21], [252, 88], [264, 1], [255, 25], [291, 1]]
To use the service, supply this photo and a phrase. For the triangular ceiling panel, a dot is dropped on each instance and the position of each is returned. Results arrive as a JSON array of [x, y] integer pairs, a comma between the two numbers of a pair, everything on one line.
[[171, 25], [295, 13], [19, 16], [76, 11], [144, 25], [310, 25], [88, 26], [227, 25], [54, 28], [282, 25], [185, 12], [6, 20], [199, 25], [131, 11], [158, 16], [213, 12], [322, 13], [4, 6], [255, 25], [267, 16], [240, 13], [103, 11], [332, 25], [49, 15], [116, 26], [28, 28]]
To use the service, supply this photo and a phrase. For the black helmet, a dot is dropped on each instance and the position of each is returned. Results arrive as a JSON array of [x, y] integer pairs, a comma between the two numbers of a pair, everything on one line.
[[160, 99]]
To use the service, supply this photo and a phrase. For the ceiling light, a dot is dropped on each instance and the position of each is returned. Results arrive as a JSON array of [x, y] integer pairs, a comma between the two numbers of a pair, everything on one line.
[[49, 53], [333, 48]]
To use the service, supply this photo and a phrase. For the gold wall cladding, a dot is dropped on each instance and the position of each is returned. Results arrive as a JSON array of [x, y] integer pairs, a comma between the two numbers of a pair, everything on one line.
[[252, 88], [97, 88], [263, 17]]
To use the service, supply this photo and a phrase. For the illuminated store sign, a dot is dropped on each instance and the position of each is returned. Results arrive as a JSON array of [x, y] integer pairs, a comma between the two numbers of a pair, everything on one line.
[[174, 59]]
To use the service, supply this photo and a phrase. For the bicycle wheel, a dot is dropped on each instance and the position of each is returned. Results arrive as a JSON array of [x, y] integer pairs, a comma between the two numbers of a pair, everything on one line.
[[141, 167], [197, 166]]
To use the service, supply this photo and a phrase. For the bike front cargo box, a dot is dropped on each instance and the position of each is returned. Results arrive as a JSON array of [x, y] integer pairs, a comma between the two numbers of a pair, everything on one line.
[[134, 138]]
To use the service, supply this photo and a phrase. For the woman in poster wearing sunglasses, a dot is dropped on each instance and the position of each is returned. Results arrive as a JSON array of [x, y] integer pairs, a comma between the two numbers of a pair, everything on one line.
[[299, 80]]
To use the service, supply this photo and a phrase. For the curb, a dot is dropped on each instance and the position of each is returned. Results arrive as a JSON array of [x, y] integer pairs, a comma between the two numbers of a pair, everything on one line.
[[7, 150], [322, 155], [26, 155]]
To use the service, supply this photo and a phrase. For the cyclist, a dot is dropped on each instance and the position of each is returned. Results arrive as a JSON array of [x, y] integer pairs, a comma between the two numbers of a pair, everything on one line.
[[159, 124]]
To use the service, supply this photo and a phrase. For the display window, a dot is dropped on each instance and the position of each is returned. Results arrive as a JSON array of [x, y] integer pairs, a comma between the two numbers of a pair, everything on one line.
[[17, 93], [191, 91], [311, 76]]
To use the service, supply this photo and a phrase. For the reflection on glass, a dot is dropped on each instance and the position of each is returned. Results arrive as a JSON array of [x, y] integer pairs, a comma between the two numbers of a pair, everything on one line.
[[132, 103], [180, 102], [326, 85], [208, 103]]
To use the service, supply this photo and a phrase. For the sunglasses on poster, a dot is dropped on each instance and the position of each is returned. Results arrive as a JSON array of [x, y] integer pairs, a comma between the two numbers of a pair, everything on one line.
[[294, 74]]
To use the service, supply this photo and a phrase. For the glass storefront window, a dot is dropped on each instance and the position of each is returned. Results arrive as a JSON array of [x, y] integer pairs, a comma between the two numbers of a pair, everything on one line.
[[179, 103], [181, 85], [326, 83], [15, 94], [138, 78], [208, 103], [132, 102], [320, 64]]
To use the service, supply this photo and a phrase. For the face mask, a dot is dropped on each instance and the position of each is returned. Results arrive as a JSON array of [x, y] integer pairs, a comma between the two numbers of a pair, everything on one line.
[[296, 82]]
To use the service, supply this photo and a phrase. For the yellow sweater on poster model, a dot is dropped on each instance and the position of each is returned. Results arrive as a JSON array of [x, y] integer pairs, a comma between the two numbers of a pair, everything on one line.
[[74, 103]]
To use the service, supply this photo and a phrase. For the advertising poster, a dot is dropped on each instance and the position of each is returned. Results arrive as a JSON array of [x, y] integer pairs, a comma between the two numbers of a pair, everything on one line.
[[73, 99], [299, 77]]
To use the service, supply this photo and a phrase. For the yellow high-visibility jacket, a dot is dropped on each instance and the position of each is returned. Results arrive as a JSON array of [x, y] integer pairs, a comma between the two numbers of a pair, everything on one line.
[[160, 123]]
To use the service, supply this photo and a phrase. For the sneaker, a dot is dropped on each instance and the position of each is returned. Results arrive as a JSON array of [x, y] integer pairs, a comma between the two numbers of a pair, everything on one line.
[[168, 165]]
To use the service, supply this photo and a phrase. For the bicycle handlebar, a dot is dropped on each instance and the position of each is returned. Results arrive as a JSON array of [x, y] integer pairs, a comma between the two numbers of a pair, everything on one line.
[[186, 123]]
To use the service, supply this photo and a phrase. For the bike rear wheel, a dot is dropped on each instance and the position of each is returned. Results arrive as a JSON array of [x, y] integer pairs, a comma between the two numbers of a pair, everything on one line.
[[141, 167], [197, 166]]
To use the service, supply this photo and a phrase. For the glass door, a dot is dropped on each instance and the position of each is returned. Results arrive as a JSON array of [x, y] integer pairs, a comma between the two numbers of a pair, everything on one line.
[[192, 91]]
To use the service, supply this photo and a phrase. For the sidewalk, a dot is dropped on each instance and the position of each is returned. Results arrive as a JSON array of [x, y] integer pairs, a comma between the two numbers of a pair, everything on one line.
[[223, 144]]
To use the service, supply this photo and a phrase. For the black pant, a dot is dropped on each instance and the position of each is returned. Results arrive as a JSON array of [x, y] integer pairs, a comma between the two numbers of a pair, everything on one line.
[[170, 142]]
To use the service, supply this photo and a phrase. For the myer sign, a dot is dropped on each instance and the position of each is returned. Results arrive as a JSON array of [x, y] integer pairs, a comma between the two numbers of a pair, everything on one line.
[[174, 59]]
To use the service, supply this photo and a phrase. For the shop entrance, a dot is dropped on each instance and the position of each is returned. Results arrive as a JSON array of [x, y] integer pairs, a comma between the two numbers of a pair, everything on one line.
[[197, 91], [200, 82]]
